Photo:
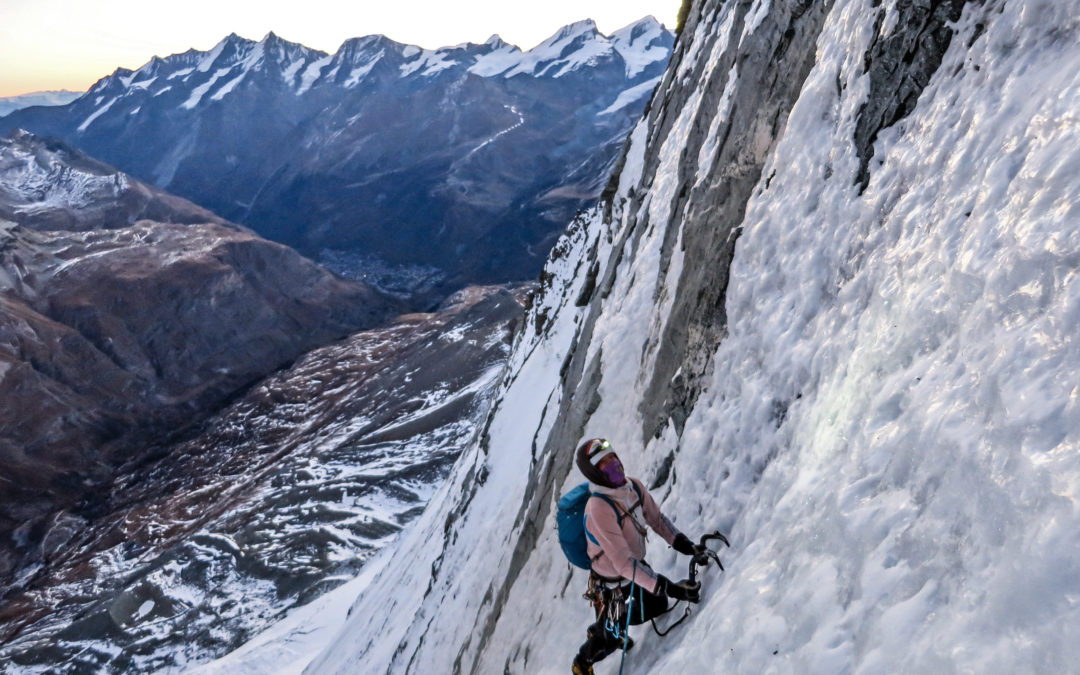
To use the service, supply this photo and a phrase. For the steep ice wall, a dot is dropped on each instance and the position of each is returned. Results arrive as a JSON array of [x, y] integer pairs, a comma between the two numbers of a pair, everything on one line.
[[828, 306]]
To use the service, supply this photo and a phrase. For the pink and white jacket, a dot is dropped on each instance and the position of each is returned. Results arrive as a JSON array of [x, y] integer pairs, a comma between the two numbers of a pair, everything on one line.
[[619, 546]]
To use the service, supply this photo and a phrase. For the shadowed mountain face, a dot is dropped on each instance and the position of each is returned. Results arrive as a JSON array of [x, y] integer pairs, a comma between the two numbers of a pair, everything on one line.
[[112, 337], [284, 494], [470, 159]]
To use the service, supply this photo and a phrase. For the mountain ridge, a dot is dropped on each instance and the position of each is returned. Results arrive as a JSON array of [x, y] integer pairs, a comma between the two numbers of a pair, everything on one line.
[[234, 43], [470, 158]]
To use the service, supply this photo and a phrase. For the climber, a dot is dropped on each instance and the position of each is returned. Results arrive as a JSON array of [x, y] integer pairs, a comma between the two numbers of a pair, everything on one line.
[[616, 516]]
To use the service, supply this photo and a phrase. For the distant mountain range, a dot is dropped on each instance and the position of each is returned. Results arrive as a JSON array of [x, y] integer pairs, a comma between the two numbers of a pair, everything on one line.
[[470, 158], [10, 104]]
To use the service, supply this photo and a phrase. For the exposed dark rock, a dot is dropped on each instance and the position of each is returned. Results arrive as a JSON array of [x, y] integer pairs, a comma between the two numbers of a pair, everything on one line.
[[589, 287], [900, 66], [663, 472], [772, 69]]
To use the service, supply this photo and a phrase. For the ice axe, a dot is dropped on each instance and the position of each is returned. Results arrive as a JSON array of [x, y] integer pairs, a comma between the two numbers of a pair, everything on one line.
[[700, 559], [705, 554]]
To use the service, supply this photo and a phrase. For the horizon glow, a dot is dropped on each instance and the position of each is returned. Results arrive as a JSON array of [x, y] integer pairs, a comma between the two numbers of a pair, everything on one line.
[[56, 44]]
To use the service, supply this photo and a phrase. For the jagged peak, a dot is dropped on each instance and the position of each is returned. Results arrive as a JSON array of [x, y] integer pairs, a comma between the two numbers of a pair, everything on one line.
[[233, 38], [585, 29], [578, 27], [284, 51], [354, 47], [571, 31], [647, 20], [116, 76], [643, 26], [234, 43], [152, 66], [368, 40]]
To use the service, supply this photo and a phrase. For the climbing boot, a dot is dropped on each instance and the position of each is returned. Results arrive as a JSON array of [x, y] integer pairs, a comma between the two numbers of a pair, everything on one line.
[[581, 668]]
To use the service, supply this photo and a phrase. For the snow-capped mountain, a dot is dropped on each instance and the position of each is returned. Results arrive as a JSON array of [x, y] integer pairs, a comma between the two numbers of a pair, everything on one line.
[[471, 158], [46, 185], [828, 306], [10, 104]]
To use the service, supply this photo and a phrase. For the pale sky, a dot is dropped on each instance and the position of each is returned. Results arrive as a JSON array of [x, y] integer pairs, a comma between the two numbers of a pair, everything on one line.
[[70, 44]]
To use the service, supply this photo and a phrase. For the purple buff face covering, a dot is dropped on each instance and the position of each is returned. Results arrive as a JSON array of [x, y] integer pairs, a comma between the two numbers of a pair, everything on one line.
[[613, 469]]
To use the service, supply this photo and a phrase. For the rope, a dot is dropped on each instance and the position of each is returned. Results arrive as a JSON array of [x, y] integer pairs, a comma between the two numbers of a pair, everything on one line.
[[685, 615], [629, 609]]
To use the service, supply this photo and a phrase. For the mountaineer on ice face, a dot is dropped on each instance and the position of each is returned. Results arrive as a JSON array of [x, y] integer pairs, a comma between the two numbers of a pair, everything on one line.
[[616, 512]]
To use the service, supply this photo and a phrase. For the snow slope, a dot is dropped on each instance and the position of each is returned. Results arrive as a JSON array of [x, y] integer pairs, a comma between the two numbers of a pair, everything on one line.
[[880, 406]]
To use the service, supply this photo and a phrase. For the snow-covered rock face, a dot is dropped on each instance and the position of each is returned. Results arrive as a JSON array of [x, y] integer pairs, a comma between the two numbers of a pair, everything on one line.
[[469, 158], [832, 317]]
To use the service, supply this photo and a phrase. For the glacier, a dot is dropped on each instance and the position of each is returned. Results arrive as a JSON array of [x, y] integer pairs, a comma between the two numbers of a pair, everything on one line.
[[881, 408]]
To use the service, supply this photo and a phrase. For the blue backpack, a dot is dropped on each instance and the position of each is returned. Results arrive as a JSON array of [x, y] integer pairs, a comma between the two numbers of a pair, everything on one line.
[[570, 520]]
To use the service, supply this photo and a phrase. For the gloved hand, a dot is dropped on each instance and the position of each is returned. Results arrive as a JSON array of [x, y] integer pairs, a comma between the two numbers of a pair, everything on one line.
[[679, 590], [683, 545]]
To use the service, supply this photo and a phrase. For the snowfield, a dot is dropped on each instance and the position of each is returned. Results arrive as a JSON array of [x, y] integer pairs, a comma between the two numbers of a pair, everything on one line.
[[889, 430]]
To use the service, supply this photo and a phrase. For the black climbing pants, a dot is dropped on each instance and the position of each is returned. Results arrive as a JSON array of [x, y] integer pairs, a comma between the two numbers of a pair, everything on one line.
[[611, 604]]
